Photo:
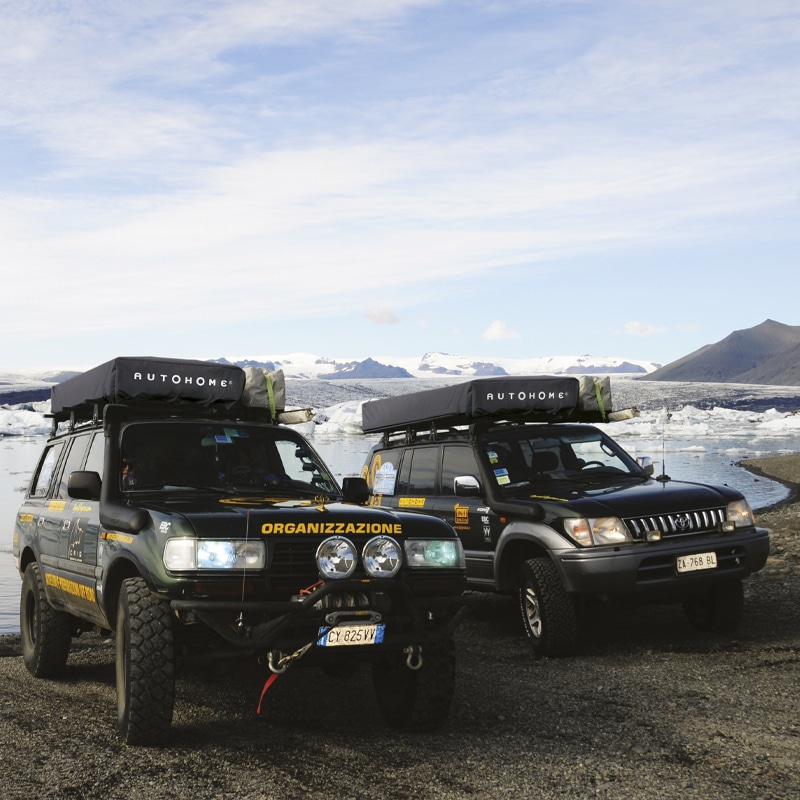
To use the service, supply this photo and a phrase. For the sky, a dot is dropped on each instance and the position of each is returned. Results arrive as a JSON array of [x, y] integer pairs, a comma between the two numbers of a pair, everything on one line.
[[491, 178]]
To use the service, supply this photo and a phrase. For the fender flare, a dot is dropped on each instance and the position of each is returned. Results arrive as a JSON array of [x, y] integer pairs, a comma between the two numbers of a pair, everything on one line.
[[521, 540]]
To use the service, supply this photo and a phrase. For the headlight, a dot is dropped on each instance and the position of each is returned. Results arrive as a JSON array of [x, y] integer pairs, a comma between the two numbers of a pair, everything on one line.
[[186, 553], [603, 530], [336, 558], [382, 557], [434, 553], [740, 514]]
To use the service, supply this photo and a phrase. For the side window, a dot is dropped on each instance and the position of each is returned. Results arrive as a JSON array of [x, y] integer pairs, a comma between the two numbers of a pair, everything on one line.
[[74, 460], [457, 460], [94, 461], [41, 481], [383, 473], [422, 478]]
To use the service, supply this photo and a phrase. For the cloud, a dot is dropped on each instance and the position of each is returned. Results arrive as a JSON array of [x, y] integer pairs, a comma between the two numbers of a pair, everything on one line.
[[382, 316], [687, 327], [498, 330], [636, 328]]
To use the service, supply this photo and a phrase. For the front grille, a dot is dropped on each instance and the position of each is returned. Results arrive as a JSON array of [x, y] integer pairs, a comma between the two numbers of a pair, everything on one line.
[[681, 523], [292, 566]]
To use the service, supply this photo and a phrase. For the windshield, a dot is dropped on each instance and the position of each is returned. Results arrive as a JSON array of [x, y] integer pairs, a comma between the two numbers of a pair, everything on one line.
[[222, 456], [522, 456]]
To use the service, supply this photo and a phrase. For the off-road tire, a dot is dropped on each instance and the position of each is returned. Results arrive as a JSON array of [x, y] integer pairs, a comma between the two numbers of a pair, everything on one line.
[[416, 700], [717, 610], [145, 665], [45, 632], [548, 612]]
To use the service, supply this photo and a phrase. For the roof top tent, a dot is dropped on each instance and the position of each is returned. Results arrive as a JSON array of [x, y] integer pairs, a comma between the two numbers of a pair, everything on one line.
[[145, 379], [524, 399]]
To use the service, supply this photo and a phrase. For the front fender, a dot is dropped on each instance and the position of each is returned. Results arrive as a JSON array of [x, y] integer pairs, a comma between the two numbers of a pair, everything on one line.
[[521, 540]]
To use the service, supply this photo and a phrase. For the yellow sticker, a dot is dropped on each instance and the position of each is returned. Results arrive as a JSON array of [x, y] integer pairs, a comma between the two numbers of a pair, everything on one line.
[[412, 502]]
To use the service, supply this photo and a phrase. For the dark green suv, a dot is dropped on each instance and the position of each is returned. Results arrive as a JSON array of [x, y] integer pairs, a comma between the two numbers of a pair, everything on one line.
[[169, 511], [551, 509]]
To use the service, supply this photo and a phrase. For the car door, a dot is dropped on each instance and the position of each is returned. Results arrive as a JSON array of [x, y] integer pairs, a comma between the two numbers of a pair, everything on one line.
[[40, 518], [477, 525], [69, 574]]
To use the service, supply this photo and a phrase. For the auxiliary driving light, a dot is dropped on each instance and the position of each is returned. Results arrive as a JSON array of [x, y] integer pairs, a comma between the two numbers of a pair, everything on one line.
[[382, 557], [336, 558]]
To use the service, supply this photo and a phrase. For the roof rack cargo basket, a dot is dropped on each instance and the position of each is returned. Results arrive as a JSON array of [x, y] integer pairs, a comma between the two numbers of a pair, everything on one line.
[[523, 399]]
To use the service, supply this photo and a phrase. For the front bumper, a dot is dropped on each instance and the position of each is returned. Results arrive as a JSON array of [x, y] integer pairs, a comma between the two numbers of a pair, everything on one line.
[[261, 625], [650, 569]]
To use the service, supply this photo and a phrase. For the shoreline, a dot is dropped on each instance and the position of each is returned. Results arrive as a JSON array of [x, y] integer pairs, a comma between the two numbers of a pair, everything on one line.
[[783, 469]]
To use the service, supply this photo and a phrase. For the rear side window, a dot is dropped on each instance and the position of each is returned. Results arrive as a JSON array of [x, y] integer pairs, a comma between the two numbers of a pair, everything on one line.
[[44, 474], [418, 472]]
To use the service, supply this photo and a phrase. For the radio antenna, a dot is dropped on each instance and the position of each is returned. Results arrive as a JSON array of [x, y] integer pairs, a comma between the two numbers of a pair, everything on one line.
[[663, 477]]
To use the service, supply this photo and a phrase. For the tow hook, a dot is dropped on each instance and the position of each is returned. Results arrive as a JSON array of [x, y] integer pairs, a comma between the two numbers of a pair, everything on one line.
[[413, 656]]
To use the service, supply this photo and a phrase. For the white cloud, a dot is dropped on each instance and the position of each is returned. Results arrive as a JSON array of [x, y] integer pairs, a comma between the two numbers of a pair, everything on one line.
[[643, 329], [499, 330], [382, 316]]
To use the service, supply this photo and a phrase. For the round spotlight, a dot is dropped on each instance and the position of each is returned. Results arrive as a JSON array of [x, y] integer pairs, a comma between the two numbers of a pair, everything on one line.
[[382, 557], [336, 558]]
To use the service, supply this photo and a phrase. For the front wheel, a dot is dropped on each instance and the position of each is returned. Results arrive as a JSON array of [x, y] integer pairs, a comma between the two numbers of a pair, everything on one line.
[[45, 632], [548, 611], [418, 699], [719, 609], [145, 665]]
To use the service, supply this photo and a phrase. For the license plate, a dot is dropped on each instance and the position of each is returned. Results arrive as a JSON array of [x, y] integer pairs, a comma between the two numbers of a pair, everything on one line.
[[344, 635], [697, 561]]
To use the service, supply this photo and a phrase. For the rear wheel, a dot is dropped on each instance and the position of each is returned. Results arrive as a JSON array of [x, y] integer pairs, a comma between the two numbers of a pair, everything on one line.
[[45, 632], [548, 611], [145, 665], [717, 610], [416, 699]]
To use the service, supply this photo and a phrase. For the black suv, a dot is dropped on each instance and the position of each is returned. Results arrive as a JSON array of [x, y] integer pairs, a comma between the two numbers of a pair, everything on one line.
[[169, 511], [552, 509]]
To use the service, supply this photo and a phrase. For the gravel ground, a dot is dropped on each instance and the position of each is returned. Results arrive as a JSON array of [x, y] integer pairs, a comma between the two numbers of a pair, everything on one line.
[[651, 708]]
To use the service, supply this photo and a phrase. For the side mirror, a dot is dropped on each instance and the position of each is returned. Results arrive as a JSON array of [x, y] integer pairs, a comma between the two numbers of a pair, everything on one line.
[[467, 486], [355, 490], [84, 485], [646, 463]]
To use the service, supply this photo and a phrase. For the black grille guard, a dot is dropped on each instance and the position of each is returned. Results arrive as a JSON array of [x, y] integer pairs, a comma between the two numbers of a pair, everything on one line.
[[288, 613]]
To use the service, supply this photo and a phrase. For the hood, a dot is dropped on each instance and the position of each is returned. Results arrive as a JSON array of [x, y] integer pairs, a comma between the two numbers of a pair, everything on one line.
[[241, 517], [651, 498]]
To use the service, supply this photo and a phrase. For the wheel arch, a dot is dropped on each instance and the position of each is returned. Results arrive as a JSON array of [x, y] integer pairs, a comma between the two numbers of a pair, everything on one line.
[[27, 556], [519, 542], [119, 571]]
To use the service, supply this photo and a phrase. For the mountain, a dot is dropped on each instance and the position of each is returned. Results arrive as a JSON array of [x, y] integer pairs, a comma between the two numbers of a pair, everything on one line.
[[306, 365], [768, 353], [368, 368]]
